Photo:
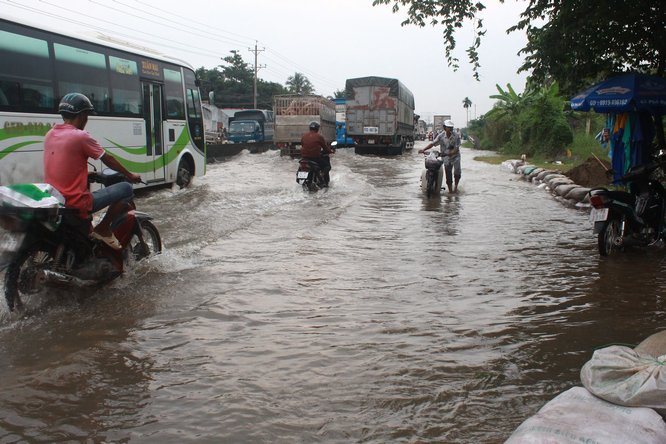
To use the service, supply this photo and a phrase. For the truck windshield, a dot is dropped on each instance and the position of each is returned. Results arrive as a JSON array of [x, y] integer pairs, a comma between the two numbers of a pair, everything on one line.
[[242, 127]]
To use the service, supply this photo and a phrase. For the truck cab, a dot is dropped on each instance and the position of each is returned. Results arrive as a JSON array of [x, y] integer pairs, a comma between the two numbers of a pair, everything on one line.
[[341, 135], [245, 131]]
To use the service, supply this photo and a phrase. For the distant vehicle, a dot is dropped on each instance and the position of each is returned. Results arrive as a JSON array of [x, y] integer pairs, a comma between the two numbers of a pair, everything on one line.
[[341, 125], [245, 131], [251, 126], [293, 114], [148, 108], [380, 115], [438, 122], [420, 130]]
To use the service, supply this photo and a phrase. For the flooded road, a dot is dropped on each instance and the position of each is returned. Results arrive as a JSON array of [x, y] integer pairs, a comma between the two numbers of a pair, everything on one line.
[[362, 313]]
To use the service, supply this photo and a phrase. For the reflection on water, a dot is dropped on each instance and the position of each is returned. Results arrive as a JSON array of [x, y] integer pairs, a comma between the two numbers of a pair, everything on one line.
[[366, 312]]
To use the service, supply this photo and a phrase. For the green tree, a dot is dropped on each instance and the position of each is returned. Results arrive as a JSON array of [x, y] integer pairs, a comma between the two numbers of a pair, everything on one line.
[[466, 104], [570, 41], [233, 85], [584, 41], [339, 94], [299, 84], [531, 123]]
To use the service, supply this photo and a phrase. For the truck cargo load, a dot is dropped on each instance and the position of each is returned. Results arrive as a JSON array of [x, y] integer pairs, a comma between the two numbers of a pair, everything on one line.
[[293, 114], [438, 123], [380, 115]]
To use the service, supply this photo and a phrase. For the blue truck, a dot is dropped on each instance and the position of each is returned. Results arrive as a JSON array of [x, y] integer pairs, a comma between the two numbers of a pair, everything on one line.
[[251, 126], [340, 124]]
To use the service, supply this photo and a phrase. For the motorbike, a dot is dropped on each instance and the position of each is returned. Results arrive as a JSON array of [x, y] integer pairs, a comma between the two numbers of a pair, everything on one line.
[[310, 174], [630, 218], [432, 175], [47, 248]]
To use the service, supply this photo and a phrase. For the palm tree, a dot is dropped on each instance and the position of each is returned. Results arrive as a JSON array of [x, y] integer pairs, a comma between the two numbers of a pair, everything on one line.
[[299, 84], [466, 104]]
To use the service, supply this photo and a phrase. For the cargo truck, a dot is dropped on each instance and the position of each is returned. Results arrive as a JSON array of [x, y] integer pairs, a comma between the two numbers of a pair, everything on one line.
[[380, 115], [438, 123], [293, 114]]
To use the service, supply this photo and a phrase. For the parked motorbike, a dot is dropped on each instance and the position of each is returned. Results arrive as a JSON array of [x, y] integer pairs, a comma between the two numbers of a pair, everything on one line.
[[432, 175], [51, 247], [311, 175], [633, 218]]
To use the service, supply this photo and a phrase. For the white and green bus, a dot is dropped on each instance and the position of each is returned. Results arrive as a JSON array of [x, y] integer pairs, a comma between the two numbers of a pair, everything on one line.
[[148, 108]]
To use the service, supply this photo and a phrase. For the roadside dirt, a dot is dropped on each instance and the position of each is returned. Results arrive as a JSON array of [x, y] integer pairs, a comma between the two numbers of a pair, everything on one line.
[[591, 173]]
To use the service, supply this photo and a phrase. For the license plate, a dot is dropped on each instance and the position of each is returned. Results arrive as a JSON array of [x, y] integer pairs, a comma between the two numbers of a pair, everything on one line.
[[301, 175], [598, 214]]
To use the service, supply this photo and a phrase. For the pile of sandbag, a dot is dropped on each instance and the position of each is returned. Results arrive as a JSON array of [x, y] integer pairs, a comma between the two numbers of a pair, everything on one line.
[[622, 401], [561, 186]]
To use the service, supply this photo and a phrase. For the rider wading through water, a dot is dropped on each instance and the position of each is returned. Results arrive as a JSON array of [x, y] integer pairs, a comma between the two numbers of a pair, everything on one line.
[[67, 148], [450, 144], [314, 148]]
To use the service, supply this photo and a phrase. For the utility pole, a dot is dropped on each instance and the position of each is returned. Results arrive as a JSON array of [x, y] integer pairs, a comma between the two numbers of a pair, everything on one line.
[[256, 52]]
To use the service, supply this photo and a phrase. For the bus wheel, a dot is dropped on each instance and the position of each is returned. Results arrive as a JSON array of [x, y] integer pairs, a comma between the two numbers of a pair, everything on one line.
[[184, 174]]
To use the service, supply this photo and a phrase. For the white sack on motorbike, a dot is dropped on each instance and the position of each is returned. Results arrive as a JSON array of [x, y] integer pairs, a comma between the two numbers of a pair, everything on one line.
[[32, 195], [626, 377]]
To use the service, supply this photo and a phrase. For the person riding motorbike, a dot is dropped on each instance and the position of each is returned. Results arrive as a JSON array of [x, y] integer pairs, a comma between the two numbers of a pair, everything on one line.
[[67, 148], [450, 143], [314, 148]]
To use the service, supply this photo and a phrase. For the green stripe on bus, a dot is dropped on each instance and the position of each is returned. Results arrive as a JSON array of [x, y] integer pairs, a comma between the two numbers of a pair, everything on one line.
[[165, 159], [11, 148], [136, 151], [24, 130]]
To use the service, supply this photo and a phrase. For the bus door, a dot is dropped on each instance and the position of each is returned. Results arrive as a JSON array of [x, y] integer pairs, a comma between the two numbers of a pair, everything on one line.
[[152, 105]]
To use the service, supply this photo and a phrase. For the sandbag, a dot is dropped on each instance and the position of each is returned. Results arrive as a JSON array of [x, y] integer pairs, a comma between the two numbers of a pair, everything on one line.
[[625, 377], [654, 345], [577, 416]]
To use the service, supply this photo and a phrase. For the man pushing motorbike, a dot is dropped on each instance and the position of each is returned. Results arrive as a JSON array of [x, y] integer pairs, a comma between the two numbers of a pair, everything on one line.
[[450, 143], [67, 148], [313, 147]]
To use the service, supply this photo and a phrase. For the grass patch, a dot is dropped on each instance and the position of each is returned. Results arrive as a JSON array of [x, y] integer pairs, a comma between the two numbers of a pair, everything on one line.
[[583, 147]]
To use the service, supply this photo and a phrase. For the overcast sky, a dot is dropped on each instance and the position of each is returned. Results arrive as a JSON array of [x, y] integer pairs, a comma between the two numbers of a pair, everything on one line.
[[328, 41]]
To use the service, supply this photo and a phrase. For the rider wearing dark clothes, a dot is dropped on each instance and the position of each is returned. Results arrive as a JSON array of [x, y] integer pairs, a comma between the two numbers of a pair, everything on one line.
[[313, 146]]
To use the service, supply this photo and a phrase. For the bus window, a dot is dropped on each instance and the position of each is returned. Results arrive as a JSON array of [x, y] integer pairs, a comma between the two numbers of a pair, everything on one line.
[[83, 71], [194, 117], [173, 89], [125, 87], [24, 85]]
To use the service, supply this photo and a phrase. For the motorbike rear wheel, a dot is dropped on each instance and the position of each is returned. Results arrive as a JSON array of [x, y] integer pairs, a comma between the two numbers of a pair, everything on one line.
[[430, 183], [152, 242], [22, 282], [608, 236], [310, 184]]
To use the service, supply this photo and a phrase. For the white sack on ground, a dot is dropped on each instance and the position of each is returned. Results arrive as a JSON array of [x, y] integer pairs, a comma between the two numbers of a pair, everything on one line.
[[623, 376], [577, 416]]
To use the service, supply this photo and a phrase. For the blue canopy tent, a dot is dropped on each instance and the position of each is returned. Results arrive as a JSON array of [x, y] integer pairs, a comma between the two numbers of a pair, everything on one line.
[[631, 101]]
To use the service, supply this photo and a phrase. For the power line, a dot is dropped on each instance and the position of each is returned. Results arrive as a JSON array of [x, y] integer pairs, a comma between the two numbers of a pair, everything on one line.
[[161, 41]]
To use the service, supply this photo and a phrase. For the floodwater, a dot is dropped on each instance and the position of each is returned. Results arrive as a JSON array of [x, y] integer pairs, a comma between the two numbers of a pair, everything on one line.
[[362, 313]]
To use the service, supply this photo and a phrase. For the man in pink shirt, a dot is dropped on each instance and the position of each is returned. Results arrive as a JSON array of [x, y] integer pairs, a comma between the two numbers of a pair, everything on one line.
[[67, 148]]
